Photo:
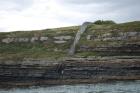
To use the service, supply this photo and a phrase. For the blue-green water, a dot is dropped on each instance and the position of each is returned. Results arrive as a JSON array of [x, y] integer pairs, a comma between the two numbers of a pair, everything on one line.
[[112, 87]]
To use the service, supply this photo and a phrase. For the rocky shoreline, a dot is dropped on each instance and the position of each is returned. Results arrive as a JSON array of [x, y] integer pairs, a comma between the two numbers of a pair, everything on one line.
[[72, 71], [88, 53]]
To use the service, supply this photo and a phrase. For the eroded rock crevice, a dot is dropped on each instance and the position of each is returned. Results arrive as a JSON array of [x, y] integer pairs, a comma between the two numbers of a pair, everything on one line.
[[78, 36]]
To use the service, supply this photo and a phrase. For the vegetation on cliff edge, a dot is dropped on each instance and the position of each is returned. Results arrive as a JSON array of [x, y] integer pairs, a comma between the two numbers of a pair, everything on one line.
[[49, 50]]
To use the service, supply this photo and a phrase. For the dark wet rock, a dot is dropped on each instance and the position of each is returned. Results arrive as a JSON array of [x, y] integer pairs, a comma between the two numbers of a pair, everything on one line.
[[71, 70]]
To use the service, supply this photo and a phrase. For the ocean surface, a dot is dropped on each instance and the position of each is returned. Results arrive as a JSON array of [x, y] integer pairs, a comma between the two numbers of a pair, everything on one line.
[[108, 87]]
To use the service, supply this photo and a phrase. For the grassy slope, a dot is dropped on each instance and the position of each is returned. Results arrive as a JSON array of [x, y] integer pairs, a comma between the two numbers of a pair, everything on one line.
[[99, 30], [18, 51]]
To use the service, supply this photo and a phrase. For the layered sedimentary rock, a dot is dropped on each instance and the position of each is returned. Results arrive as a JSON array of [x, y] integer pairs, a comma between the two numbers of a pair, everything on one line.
[[33, 39], [91, 70], [119, 36], [100, 52]]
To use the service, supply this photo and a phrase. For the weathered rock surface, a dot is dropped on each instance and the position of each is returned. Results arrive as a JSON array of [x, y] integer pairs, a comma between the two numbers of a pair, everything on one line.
[[91, 43], [10, 40], [124, 48], [33, 39], [43, 38], [69, 70], [119, 36], [110, 42], [63, 37], [78, 36], [60, 42], [60, 39], [7, 40]]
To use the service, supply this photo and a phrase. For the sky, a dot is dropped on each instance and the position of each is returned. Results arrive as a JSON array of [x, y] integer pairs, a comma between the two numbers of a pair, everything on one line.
[[17, 15]]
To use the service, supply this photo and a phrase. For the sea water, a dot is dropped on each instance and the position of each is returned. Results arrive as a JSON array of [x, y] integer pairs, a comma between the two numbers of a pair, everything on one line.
[[108, 87]]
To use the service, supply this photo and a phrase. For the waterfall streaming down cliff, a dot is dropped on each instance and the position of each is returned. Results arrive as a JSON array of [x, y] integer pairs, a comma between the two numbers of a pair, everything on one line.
[[78, 36]]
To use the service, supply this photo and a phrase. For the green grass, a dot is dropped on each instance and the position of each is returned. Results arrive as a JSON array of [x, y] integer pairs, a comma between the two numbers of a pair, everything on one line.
[[130, 26], [86, 54], [20, 51]]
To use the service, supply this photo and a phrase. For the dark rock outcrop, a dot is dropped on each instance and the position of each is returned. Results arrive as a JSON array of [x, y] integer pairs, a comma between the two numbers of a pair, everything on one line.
[[124, 48], [70, 71]]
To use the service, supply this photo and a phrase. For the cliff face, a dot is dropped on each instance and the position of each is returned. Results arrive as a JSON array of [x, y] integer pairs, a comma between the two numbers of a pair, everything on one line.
[[69, 71], [95, 40], [114, 40], [101, 52]]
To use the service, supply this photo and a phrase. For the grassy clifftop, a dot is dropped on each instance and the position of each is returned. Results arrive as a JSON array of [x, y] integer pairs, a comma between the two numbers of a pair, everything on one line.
[[55, 43]]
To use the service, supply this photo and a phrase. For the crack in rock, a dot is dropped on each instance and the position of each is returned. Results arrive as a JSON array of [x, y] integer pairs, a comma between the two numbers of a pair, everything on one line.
[[78, 36]]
